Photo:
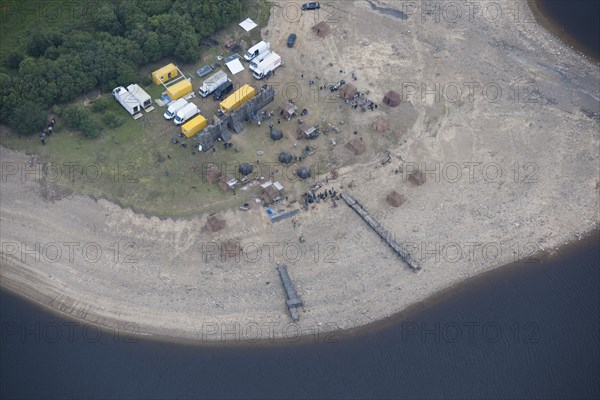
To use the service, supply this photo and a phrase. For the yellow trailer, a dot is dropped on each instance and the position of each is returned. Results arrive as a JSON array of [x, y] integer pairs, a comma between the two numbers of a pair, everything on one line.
[[193, 126], [179, 89], [165, 74], [238, 98]]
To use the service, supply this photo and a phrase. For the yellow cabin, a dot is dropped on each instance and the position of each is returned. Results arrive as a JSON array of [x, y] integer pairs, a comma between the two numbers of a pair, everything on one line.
[[238, 98], [179, 89], [193, 126], [165, 74]]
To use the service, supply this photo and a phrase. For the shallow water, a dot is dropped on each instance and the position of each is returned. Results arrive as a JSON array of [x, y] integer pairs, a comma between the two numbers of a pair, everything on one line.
[[389, 11]]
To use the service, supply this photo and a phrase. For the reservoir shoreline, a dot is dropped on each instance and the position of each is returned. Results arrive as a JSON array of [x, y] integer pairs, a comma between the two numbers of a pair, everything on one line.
[[561, 254], [544, 18]]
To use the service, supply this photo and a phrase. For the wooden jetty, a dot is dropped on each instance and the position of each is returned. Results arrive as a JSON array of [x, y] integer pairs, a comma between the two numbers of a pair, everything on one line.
[[293, 300], [381, 231]]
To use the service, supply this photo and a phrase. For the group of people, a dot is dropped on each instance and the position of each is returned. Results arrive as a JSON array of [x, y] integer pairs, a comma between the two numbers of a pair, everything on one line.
[[359, 101], [47, 131], [311, 197]]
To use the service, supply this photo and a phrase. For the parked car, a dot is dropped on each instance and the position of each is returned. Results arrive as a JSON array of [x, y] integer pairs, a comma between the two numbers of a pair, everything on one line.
[[291, 40], [313, 5], [231, 58], [204, 71], [223, 90]]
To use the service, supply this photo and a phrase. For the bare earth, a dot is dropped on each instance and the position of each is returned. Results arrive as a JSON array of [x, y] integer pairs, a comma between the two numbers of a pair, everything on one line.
[[541, 133]]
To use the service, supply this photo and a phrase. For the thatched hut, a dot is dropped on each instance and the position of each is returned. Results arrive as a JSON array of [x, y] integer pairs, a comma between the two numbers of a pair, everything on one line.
[[214, 223], [417, 178], [347, 91], [245, 169], [395, 199], [303, 172], [391, 98], [356, 146], [285, 157], [322, 29], [271, 192], [380, 124], [211, 173], [276, 134], [287, 110], [306, 131]]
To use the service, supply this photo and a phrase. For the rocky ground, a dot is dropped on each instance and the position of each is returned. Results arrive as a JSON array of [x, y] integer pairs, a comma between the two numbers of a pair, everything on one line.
[[510, 142]]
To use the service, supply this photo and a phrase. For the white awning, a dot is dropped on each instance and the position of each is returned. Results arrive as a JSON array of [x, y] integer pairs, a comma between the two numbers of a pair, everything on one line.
[[248, 24], [235, 66]]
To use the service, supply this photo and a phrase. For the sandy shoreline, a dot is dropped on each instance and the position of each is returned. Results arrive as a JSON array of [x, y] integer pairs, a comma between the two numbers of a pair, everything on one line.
[[333, 335], [176, 286]]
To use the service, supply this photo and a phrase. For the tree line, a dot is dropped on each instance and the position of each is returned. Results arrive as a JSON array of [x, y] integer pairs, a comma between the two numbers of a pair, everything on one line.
[[103, 50]]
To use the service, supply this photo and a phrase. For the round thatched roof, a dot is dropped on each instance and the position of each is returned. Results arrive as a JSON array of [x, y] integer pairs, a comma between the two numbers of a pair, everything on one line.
[[303, 172], [285, 157], [245, 169], [391, 98], [276, 134]]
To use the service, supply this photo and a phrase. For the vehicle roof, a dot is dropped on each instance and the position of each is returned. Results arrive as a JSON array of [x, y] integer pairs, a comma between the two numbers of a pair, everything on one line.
[[204, 70], [188, 106], [257, 45], [268, 59]]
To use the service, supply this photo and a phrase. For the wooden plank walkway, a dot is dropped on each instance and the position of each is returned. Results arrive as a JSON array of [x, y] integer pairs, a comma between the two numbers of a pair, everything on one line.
[[284, 216], [385, 235], [293, 300]]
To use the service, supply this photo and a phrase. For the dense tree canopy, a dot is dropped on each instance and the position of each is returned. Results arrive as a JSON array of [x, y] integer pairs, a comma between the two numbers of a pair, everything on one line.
[[112, 40]]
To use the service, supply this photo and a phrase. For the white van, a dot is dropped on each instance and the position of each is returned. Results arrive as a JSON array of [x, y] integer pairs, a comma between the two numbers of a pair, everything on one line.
[[174, 107], [256, 50], [267, 66], [258, 59], [186, 113]]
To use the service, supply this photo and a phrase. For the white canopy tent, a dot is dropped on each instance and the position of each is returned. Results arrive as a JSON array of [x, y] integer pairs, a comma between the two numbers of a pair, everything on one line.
[[248, 24], [235, 66]]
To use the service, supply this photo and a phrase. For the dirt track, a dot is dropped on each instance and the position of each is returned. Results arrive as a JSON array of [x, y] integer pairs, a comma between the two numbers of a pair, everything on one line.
[[541, 134]]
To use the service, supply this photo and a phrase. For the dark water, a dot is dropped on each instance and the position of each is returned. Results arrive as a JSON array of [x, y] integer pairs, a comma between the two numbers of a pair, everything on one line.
[[527, 331], [577, 21]]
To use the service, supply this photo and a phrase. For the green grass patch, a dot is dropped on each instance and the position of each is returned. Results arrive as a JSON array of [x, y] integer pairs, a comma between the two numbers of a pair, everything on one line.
[[136, 165]]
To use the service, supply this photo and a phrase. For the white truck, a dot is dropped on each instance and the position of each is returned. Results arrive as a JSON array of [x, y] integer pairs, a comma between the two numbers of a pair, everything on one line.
[[209, 85], [258, 59], [255, 50], [186, 113], [174, 107], [127, 100], [267, 66], [140, 95]]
